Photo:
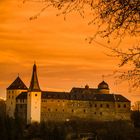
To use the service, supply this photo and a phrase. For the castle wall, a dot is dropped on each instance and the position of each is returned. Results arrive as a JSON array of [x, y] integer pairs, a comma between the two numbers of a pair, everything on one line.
[[11, 101], [65, 110], [122, 110], [33, 107]]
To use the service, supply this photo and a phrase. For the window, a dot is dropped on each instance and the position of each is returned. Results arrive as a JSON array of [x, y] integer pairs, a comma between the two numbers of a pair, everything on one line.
[[124, 105], [101, 105], [49, 109], [63, 110], [101, 113], [84, 110], [95, 113], [20, 106], [119, 105], [72, 110], [9, 96], [90, 105], [56, 110], [35, 94], [107, 105], [95, 105]]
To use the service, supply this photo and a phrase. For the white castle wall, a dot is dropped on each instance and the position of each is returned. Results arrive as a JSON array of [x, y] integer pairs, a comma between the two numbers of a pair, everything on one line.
[[11, 101], [33, 107]]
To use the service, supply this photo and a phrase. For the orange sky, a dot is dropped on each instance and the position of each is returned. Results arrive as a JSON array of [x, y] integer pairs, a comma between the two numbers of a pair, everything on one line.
[[63, 57]]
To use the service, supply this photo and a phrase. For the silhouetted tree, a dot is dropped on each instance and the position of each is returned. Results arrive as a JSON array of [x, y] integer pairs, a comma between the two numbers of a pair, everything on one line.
[[131, 57], [135, 116], [114, 16]]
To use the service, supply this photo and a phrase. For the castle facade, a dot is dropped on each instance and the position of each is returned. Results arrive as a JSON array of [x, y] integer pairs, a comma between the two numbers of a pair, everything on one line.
[[34, 105]]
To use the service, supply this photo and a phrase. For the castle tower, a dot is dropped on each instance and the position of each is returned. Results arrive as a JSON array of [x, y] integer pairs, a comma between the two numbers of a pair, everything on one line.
[[12, 92], [103, 87], [34, 99]]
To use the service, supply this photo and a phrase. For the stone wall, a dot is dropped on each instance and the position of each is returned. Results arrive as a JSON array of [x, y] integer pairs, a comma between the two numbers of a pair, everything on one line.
[[65, 110]]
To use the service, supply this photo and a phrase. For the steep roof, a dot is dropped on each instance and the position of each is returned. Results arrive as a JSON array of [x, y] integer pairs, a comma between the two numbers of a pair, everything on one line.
[[23, 95], [120, 98], [79, 96], [76, 90], [84, 96], [55, 95], [34, 85], [17, 84]]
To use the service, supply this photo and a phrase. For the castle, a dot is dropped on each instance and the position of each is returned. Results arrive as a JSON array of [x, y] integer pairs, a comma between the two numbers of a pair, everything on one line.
[[34, 105]]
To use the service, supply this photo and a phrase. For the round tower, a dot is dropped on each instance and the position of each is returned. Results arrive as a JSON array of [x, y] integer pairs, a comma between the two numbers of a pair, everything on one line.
[[103, 88]]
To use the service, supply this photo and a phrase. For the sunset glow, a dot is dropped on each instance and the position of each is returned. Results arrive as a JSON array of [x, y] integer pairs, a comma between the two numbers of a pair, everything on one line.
[[63, 57]]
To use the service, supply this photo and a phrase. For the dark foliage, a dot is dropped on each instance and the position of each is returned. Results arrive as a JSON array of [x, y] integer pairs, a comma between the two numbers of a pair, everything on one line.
[[135, 116], [131, 57]]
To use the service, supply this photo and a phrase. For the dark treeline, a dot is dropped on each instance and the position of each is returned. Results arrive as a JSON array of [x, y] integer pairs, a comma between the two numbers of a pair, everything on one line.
[[16, 129]]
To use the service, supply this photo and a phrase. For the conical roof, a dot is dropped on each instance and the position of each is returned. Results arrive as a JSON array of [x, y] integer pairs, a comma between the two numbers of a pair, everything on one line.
[[34, 85], [17, 84]]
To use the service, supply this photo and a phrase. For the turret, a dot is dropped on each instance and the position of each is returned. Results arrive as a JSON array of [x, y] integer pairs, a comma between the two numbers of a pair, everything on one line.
[[103, 87], [34, 99], [12, 92]]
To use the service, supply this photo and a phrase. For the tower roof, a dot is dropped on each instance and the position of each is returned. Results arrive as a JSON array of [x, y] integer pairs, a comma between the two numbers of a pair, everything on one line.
[[17, 84], [34, 85], [103, 85]]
